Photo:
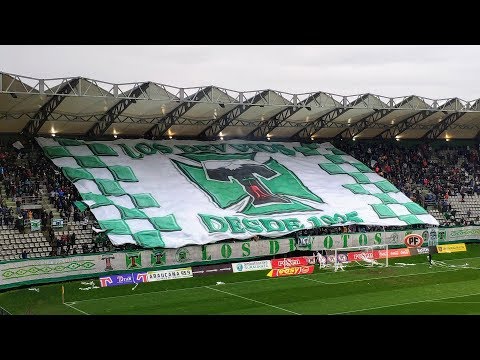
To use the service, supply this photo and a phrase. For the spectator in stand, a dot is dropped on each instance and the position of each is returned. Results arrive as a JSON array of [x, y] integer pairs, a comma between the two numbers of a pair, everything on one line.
[[73, 239], [44, 220], [64, 241], [76, 215], [24, 254], [85, 222], [51, 234], [85, 248], [68, 244], [59, 246]]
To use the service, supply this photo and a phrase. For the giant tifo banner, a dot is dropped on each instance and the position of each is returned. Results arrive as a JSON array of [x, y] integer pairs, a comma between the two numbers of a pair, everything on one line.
[[22, 272], [172, 193]]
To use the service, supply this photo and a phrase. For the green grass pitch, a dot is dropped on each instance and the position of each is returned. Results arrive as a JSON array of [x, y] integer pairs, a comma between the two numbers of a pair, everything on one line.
[[413, 289]]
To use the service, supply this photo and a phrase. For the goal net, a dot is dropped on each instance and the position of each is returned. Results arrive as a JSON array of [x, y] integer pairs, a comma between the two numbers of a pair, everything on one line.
[[357, 256]]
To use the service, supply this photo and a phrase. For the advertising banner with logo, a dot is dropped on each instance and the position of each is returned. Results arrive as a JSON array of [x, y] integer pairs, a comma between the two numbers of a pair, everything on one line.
[[420, 251], [341, 257], [449, 248], [219, 190], [296, 270], [251, 266], [289, 262], [413, 240], [459, 233], [378, 254], [394, 253], [123, 279], [361, 255], [211, 269], [172, 274]]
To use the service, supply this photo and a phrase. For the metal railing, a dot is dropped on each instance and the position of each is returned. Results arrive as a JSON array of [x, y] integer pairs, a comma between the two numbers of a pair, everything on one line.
[[30, 200]]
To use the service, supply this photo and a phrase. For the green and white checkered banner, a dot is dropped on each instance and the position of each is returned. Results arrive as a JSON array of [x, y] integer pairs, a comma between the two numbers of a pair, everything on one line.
[[171, 193]]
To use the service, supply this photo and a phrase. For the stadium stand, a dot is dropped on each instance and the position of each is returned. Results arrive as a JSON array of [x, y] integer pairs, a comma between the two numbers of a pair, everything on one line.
[[444, 179], [32, 188], [433, 173]]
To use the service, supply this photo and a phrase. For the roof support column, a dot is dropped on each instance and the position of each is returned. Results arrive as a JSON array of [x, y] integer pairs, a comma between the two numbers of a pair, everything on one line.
[[41, 116]]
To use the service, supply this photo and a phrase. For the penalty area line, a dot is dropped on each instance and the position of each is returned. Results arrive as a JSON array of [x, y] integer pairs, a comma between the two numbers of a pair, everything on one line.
[[5, 310], [373, 278], [260, 302], [77, 309], [406, 303]]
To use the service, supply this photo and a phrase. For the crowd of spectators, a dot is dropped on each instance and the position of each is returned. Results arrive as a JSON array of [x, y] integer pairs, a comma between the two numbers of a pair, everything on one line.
[[427, 175], [25, 173], [24, 180]]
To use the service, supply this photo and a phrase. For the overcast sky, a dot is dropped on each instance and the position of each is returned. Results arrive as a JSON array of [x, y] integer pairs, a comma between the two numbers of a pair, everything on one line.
[[430, 71]]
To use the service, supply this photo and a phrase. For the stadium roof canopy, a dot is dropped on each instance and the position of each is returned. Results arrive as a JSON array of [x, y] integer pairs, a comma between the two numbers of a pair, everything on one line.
[[87, 107]]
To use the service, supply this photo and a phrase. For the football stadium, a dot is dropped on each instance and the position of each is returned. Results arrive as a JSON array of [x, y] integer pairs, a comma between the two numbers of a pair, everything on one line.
[[145, 198]]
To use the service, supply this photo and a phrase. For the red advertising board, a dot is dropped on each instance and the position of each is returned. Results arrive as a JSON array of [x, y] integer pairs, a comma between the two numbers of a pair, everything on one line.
[[296, 270], [361, 255], [413, 240], [341, 257], [378, 254], [289, 262], [393, 253]]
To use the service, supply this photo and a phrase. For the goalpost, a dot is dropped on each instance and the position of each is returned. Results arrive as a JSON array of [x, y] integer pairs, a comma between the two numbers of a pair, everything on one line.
[[364, 256]]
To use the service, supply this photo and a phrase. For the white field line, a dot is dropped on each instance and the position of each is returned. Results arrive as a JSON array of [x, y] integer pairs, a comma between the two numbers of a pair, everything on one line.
[[317, 281], [73, 307], [407, 303], [241, 282], [8, 312], [457, 302], [375, 278], [171, 290], [260, 302]]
